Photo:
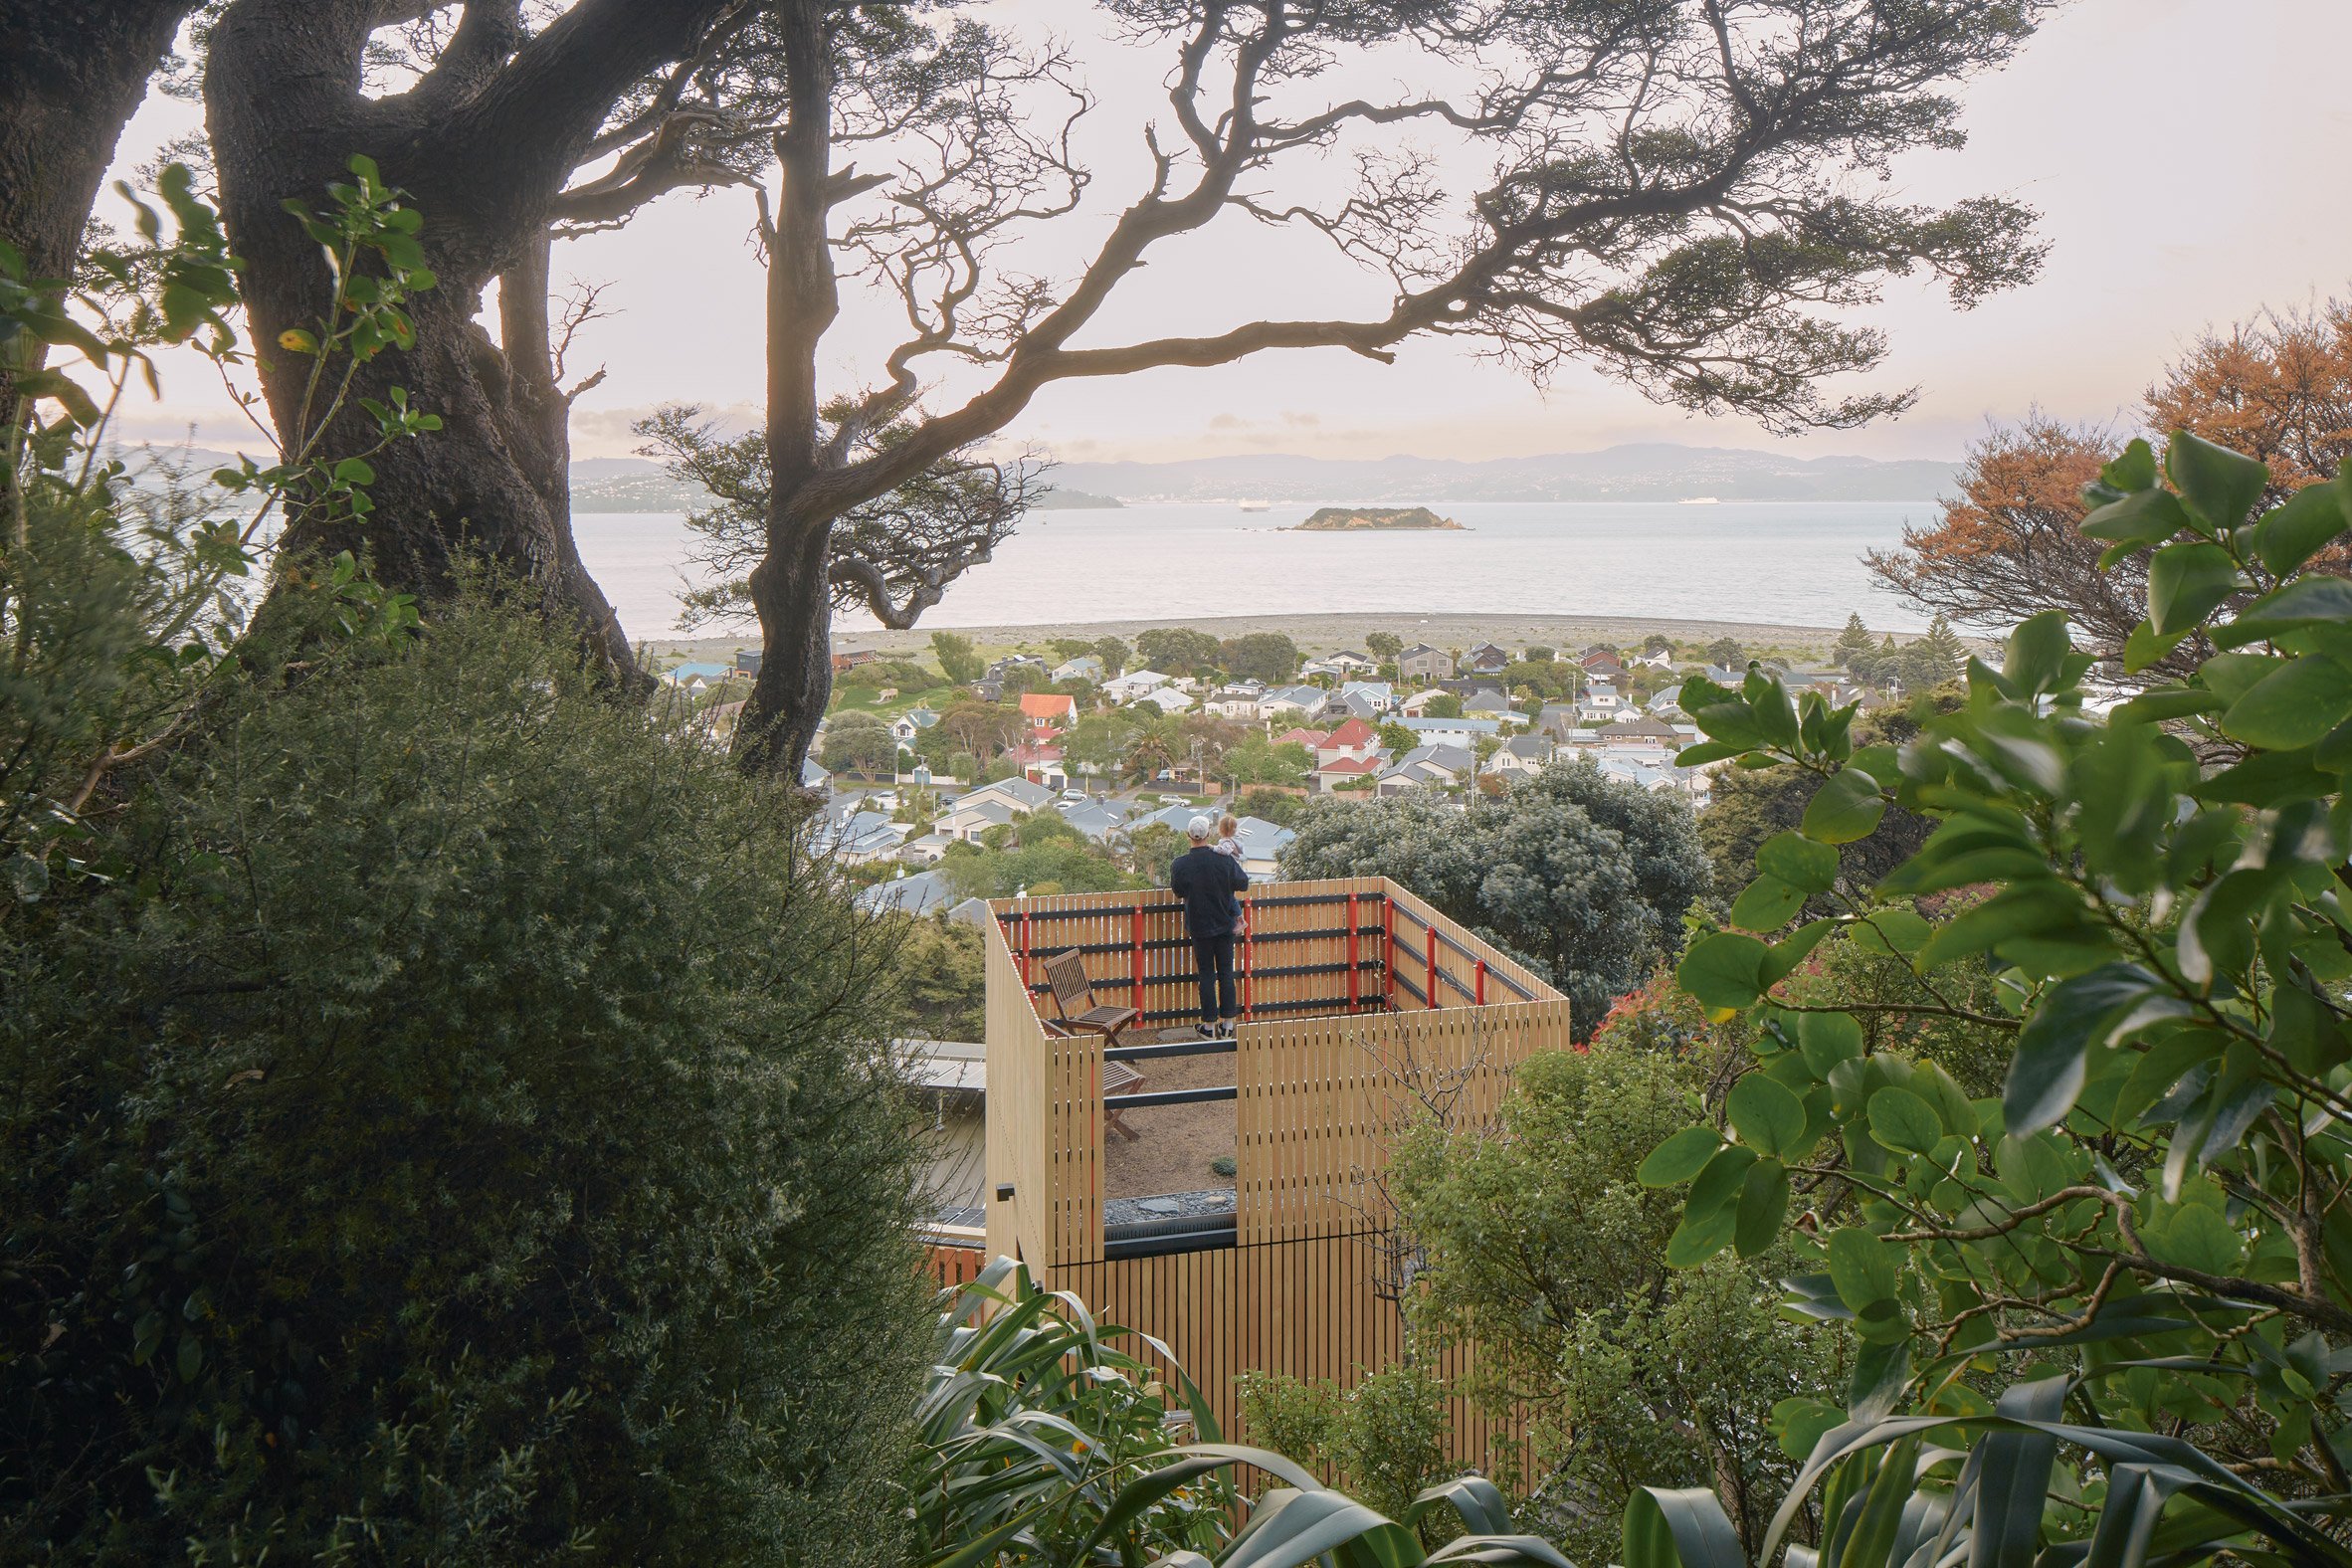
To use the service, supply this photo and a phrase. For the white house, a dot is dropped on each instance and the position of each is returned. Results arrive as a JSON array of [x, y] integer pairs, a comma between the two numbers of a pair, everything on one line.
[[1166, 699], [1086, 666], [1426, 767], [1379, 693], [1522, 754], [1292, 701], [911, 724], [1241, 700], [1127, 688]]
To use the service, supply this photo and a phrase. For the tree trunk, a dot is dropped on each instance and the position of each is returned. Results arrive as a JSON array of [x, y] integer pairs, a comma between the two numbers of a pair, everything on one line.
[[794, 596], [71, 76], [483, 153]]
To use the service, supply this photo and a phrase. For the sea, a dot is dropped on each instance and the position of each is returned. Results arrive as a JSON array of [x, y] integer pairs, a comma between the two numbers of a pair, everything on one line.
[[1791, 563]]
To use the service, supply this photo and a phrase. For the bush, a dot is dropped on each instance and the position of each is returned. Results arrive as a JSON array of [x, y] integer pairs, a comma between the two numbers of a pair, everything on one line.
[[461, 1130]]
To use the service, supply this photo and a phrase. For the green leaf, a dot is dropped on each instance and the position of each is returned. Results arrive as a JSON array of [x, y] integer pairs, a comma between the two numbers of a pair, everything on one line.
[[2046, 1076], [1763, 1204], [1723, 970], [1766, 905], [1679, 1158], [2132, 469], [1800, 1423], [1900, 1120], [1769, 1118], [2037, 653], [1782, 959], [2219, 486], [2299, 528], [1798, 861], [354, 471], [2295, 705], [2307, 601], [2144, 647], [1710, 1215], [1684, 1528], [1846, 808], [1827, 1038], [2185, 584], [1866, 1269], [2146, 517], [1893, 931], [1882, 1371]]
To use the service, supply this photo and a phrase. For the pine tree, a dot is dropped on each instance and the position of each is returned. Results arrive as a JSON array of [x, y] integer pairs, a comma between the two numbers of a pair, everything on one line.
[[1854, 644], [1935, 657]]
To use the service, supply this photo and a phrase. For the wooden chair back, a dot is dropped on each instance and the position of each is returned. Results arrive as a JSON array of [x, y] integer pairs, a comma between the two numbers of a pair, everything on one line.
[[1066, 974]]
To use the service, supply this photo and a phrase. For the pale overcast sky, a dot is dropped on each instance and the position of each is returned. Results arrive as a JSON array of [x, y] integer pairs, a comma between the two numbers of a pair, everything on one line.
[[2187, 157]]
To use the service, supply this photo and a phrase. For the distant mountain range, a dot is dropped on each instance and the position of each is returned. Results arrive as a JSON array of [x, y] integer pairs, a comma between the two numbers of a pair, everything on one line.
[[1644, 471], [1650, 470]]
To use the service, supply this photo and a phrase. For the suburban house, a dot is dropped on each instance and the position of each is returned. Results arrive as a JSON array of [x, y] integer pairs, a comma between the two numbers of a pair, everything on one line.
[[1600, 703], [977, 810], [1522, 754], [811, 776], [1347, 661], [1123, 689], [1488, 705], [1597, 658], [1354, 740], [1049, 712], [1426, 767], [1662, 660], [1643, 731], [1417, 704], [910, 726], [747, 660], [1167, 698], [1487, 660], [1237, 700], [693, 678], [1012, 662], [1379, 693], [1039, 761], [843, 662], [1086, 666], [1462, 733], [926, 848], [858, 838], [1309, 738], [1341, 770], [989, 689], [1284, 702], [924, 893], [1424, 664], [1100, 820]]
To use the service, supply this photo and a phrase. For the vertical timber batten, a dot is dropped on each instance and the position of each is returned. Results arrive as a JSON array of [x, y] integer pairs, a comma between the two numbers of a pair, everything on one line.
[[1324, 1068]]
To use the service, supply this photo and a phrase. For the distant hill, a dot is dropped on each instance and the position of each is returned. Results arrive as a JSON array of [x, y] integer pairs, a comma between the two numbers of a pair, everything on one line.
[[1649, 472], [1372, 520], [638, 485]]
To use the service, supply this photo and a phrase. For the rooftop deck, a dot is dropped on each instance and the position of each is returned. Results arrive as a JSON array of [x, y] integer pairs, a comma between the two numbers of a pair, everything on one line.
[[1361, 1007]]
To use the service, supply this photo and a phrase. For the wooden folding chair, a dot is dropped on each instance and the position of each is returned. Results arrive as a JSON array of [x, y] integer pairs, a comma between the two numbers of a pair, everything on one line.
[[1073, 1000]]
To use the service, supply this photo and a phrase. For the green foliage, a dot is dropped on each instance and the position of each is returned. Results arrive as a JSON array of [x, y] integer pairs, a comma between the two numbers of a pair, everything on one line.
[[903, 673], [1749, 806], [1178, 651], [1397, 739], [943, 974], [1444, 705], [1383, 646], [2145, 909], [858, 741], [1113, 653], [1279, 807], [1269, 657], [1725, 651], [1381, 1439], [1586, 877], [460, 1127], [1255, 760], [1042, 1441], [957, 660], [1040, 852], [1542, 1249]]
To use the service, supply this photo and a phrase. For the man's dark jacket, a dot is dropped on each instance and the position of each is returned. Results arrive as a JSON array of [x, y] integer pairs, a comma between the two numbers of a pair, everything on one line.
[[1206, 880]]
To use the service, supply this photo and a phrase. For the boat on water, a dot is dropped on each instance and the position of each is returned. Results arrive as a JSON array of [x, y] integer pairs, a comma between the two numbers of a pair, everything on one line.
[[1253, 505], [1698, 500]]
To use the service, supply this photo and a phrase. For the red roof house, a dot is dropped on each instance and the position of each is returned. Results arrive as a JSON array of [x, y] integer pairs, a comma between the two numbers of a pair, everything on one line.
[[1354, 740], [1048, 710]]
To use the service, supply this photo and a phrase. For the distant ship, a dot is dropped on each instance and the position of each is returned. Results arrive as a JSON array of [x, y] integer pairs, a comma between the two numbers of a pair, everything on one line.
[[1253, 505], [1698, 500]]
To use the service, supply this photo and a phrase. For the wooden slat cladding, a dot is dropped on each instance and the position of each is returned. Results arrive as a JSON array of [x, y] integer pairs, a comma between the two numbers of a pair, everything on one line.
[[1362, 1009]]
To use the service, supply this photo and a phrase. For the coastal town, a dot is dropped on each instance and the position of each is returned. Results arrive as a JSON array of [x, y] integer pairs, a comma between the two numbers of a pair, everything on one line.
[[1071, 765]]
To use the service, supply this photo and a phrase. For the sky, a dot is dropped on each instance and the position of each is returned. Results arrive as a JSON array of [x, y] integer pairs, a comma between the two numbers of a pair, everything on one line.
[[2187, 158]]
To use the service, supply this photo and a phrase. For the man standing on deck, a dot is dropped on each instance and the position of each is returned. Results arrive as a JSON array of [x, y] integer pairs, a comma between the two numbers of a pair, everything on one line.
[[1207, 882]]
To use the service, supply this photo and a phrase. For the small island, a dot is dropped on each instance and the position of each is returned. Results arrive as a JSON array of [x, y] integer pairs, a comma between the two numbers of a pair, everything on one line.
[[1337, 519]]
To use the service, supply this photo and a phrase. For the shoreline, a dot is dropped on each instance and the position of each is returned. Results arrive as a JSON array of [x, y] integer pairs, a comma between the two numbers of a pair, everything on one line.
[[1320, 634]]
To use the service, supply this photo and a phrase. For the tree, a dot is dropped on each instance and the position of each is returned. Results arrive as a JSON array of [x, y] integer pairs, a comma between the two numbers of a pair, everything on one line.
[[1587, 877], [1928, 660], [1383, 646], [956, 658], [1657, 643], [486, 138], [1854, 647], [1542, 1251], [981, 728], [1256, 760], [1723, 211], [1024, 677], [1269, 657], [1178, 651], [1279, 807], [2008, 544], [1397, 739], [1113, 654], [1726, 651], [858, 742], [2163, 934], [941, 966], [359, 1153], [1444, 705], [1151, 849]]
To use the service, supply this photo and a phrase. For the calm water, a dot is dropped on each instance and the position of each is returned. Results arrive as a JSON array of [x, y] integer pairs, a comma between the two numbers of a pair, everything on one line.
[[1794, 562]]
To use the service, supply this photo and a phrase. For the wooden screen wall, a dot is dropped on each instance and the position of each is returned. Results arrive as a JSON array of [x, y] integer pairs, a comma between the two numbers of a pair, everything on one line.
[[1320, 1089]]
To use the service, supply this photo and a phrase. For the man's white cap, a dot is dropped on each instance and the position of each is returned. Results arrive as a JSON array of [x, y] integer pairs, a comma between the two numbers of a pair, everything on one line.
[[1200, 828]]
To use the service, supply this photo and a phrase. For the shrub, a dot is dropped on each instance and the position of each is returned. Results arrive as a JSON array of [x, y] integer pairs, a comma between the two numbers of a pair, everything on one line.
[[461, 1130]]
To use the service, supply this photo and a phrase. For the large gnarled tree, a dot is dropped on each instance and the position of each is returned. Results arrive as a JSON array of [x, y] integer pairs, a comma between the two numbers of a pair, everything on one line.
[[1677, 191]]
